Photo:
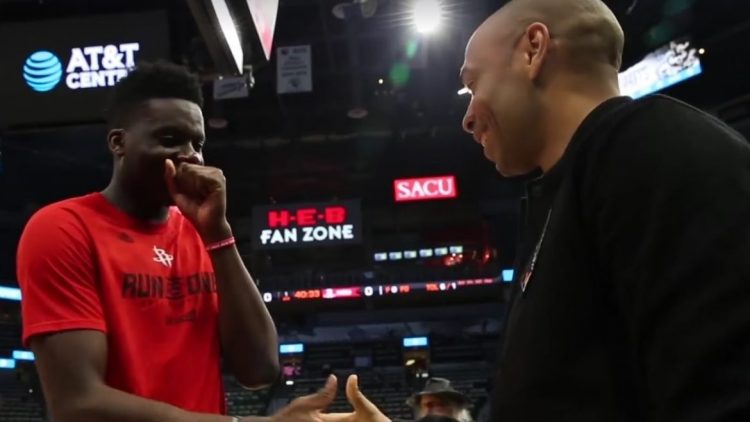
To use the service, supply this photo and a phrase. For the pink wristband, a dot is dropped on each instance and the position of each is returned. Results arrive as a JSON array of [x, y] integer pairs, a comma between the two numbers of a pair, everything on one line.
[[220, 244]]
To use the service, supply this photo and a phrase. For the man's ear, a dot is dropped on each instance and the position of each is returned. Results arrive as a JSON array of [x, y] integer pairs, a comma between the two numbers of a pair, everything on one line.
[[536, 43], [116, 142]]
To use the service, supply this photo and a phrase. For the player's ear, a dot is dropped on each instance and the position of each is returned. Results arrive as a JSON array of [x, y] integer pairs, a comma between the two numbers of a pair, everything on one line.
[[116, 142]]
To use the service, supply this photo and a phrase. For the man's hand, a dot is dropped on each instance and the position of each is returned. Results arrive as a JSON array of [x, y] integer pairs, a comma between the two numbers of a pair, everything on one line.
[[307, 408], [200, 194], [364, 410]]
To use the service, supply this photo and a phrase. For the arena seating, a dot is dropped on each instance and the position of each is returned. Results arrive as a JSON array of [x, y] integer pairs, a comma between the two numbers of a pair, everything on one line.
[[384, 379], [386, 387], [10, 339], [16, 403], [246, 402], [471, 379]]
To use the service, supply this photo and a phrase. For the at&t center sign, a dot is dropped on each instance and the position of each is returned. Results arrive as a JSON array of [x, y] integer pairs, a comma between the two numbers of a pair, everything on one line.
[[94, 66]]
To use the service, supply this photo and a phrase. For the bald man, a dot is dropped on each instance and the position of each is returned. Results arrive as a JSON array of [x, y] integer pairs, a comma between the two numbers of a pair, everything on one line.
[[535, 70], [632, 297]]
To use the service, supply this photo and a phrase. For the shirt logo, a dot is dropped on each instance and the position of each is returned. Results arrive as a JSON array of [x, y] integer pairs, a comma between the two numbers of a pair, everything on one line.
[[162, 257]]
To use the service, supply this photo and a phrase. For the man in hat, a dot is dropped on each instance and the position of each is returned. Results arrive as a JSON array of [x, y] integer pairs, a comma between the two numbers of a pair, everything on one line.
[[439, 398]]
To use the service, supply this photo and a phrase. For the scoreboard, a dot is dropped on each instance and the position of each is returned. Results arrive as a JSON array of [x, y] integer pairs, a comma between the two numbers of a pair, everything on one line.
[[378, 290]]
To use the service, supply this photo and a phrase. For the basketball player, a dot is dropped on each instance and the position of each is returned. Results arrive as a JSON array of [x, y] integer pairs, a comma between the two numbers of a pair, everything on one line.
[[131, 296], [632, 301]]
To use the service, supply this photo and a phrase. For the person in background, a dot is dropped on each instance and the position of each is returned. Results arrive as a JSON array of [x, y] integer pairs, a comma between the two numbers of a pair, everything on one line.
[[132, 295], [439, 398], [632, 295]]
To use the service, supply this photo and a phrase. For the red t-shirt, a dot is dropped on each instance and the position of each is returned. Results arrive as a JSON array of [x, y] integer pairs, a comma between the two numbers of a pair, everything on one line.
[[84, 264]]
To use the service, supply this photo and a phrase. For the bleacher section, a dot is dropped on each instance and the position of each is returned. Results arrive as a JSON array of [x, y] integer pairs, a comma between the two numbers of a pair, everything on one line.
[[383, 377], [386, 387], [246, 402], [472, 379], [465, 361], [16, 403], [10, 339], [389, 388]]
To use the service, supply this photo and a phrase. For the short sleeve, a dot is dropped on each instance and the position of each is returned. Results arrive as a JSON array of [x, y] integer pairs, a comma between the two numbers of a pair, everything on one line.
[[57, 275]]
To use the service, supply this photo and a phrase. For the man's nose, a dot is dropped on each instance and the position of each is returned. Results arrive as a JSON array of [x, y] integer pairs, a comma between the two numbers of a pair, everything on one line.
[[469, 122], [190, 156]]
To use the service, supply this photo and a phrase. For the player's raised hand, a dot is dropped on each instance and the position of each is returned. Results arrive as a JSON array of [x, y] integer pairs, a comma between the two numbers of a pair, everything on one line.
[[200, 194]]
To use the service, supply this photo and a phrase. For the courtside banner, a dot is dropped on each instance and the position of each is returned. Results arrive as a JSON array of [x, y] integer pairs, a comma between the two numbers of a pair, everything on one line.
[[62, 71], [425, 188], [307, 225]]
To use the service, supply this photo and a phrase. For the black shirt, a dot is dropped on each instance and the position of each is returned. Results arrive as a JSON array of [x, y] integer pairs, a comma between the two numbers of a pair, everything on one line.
[[638, 305]]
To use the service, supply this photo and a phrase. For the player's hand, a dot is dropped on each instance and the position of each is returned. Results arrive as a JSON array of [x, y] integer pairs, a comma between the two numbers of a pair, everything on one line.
[[200, 194], [308, 408], [364, 410]]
